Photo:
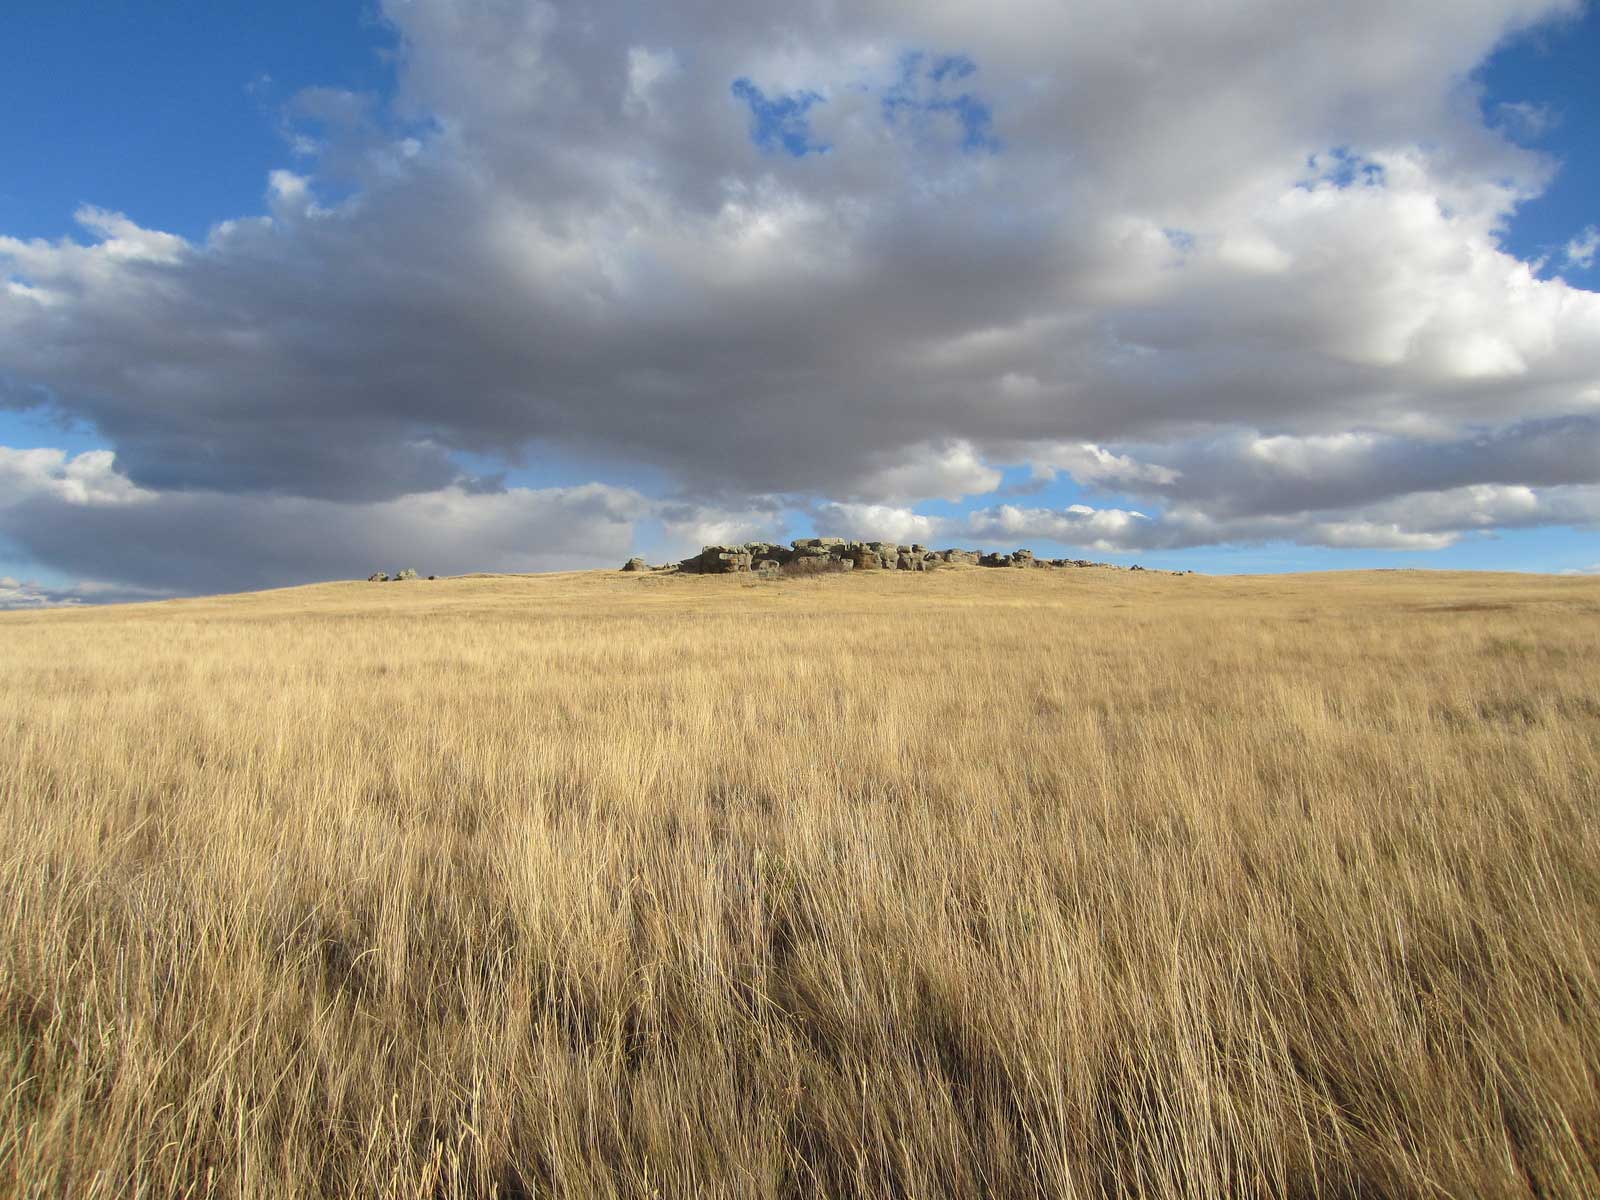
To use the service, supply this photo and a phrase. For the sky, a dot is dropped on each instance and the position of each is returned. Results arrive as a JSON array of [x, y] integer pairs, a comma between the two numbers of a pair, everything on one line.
[[302, 291]]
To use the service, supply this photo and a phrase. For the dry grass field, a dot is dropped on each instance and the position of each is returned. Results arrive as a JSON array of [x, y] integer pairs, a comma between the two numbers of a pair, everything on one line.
[[980, 883]]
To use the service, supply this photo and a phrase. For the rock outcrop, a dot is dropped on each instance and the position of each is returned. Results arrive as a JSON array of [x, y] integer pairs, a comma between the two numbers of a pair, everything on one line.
[[809, 556], [385, 577]]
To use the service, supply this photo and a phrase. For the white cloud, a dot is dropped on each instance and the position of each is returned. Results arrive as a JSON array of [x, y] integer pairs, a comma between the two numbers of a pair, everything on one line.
[[950, 471], [1581, 250], [1098, 467], [1076, 525], [879, 523], [646, 70], [87, 478], [1365, 535], [82, 516], [26, 593], [689, 526], [18, 593], [1523, 119]]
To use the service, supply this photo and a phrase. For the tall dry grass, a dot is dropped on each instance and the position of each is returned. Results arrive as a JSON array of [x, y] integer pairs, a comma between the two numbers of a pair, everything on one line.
[[986, 883]]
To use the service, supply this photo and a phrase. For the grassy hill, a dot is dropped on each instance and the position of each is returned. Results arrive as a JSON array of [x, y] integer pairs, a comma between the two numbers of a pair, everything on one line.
[[983, 882]]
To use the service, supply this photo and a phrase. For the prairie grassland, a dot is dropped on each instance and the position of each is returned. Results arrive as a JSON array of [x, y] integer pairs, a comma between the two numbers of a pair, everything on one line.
[[984, 883]]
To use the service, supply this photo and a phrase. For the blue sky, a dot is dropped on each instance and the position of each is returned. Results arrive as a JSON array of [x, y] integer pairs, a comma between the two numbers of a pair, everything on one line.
[[538, 287], [1552, 72], [171, 112]]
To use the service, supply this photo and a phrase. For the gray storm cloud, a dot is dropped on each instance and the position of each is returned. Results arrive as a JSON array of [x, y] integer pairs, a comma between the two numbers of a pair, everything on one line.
[[1249, 275]]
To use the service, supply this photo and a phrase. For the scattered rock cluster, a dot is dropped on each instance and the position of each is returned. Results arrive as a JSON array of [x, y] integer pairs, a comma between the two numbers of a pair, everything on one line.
[[813, 555], [385, 577]]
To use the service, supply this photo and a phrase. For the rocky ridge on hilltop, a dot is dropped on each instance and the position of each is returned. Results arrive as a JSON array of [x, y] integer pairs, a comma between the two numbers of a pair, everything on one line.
[[831, 554]]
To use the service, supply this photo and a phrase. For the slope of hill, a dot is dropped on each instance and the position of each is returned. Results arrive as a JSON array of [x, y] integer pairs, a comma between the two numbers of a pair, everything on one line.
[[976, 882]]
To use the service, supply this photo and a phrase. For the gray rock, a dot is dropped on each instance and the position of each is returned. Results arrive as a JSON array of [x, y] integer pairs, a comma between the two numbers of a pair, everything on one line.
[[825, 564], [717, 560], [636, 564], [378, 577]]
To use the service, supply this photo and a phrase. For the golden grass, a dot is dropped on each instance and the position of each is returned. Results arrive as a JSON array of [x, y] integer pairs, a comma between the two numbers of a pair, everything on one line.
[[1054, 883]]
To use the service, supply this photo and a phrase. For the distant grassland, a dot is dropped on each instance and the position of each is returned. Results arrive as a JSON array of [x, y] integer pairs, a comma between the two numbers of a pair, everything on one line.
[[985, 882]]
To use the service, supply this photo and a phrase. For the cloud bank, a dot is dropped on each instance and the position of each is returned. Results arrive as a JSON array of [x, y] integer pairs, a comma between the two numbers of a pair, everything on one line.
[[1239, 270]]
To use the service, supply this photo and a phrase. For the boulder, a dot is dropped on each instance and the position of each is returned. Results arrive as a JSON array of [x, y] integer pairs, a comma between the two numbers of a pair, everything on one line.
[[995, 560], [717, 560], [825, 564], [636, 564], [888, 554], [407, 573], [760, 550], [960, 556], [378, 577]]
